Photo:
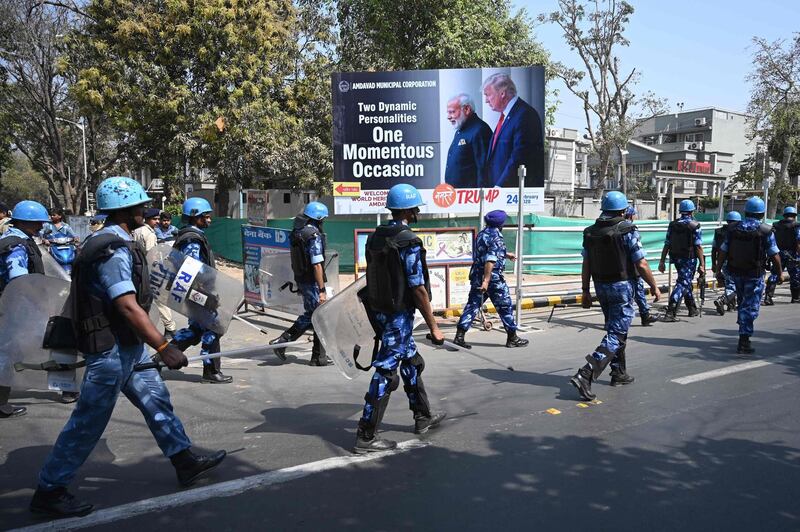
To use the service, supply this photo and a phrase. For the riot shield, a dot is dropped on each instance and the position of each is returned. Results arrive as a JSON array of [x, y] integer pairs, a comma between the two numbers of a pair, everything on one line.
[[278, 288], [343, 328], [192, 288], [27, 303], [53, 268]]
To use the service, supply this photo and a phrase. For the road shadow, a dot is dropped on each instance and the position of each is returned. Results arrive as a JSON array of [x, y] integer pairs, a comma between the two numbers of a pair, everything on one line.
[[560, 383]]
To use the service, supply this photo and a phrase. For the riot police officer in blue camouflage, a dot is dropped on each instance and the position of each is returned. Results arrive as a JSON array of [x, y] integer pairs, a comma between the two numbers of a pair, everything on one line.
[[640, 295], [191, 241], [684, 243], [19, 255], [787, 236], [746, 248], [110, 298], [397, 285], [728, 298], [487, 281], [613, 259], [308, 265]]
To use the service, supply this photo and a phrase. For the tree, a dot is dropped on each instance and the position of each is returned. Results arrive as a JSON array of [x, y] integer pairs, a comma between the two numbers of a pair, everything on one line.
[[21, 182], [206, 85], [611, 107], [775, 103], [418, 34]]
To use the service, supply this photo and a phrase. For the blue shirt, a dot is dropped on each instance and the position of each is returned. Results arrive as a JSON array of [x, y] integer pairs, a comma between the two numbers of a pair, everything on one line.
[[14, 263], [752, 224], [163, 235], [192, 249], [112, 277], [698, 233], [51, 232], [489, 247], [315, 248]]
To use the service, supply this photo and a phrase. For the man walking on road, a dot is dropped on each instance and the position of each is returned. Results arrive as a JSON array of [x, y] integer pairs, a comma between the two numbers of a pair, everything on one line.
[[486, 278], [728, 298], [613, 258], [684, 243], [787, 236], [640, 296], [746, 248]]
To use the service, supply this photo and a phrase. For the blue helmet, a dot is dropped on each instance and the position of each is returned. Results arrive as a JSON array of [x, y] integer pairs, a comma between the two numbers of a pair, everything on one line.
[[754, 205], [733, 216], [196, 206], [686, 205], [614, 201], [790, 211], [30, 211], [120, 193], [403, 196], [316, 211], [631, 212], [495, 218]]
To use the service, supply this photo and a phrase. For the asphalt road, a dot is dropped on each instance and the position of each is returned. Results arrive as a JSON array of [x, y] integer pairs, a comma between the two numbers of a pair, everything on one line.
[[519, 450]]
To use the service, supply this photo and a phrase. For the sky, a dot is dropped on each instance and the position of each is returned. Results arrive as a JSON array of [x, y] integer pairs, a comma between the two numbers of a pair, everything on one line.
[[693, 51]]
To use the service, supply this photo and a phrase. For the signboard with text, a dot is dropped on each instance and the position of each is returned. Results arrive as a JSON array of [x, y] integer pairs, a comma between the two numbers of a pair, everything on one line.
[[257, 241], [450, 133]]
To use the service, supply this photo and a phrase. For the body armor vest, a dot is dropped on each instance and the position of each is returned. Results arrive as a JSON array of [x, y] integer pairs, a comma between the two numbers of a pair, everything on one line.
[[609, 261], [34, 253], [746, 251], [302, 233], [98, 325], [786, 235], [387, 285], [192, 234], [681, 239]]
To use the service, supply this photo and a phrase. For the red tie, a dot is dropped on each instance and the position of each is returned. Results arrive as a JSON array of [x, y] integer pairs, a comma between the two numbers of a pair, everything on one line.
[[497, 129]]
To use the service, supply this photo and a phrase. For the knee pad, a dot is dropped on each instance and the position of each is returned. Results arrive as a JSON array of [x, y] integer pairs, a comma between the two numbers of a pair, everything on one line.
[[390, 378], [418, 362]]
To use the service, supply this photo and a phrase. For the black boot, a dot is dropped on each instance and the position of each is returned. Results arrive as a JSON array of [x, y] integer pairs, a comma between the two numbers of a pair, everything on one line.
[[795, 295], [731, 300], [671, 314], [289, 335], [691, 306], [648, 319], [719, 304], [58, 503], [318, 357], [366, 440], [189, 466], [512, 340], [212, 373], [459, 338], [12, 411], [769, 293], [423, 424], [744, 347], [619, 374], [583, 382]]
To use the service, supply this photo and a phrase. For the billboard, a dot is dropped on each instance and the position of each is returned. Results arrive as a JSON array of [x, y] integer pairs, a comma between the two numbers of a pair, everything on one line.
[[450, 133]]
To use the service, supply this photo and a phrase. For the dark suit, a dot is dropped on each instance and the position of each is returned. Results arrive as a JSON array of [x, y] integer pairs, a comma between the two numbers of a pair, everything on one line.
[[519, 142], [466, 158]]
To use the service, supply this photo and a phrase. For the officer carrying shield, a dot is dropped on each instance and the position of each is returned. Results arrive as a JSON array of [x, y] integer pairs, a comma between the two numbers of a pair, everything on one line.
[[192, 242], [110, 296], [639, 294], [787, 235], [746, 248], [613, 258], [146, 237], [486, 277], [728, 298], [397, 284], [684, 243], [308, 265], [19, 255]]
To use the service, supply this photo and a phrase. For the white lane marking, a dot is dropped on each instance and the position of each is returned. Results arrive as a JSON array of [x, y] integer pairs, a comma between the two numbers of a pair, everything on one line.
[[222, 489], [721, 372]]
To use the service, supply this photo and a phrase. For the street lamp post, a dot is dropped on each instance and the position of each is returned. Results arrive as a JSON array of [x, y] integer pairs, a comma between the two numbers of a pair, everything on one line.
[[82, 127]]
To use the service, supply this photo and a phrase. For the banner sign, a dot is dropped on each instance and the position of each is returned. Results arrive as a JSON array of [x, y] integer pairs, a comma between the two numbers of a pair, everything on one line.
[[255, 242], [450, 133], [257, 202], [449, 257]]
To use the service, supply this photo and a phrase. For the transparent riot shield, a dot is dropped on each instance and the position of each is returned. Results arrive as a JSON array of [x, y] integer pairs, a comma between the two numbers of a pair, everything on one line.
[[26, 306], [193, 289], [278, 288], [343, 328]]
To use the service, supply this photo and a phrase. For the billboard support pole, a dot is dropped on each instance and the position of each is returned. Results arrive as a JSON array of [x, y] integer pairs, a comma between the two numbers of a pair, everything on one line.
[[520, 224], [480, 208]]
